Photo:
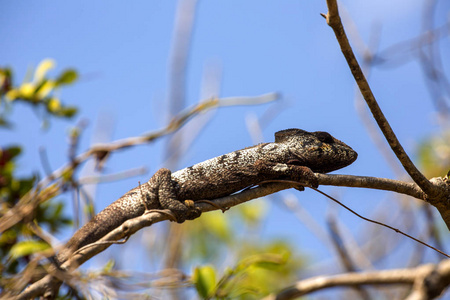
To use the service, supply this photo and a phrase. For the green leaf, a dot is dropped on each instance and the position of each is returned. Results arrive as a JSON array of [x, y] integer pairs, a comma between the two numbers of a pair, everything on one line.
[[42, 69], [109, 266], [67, 77], [262, 260], [13, 94], [10, 152], [45, 89], [8, 237], [5, 73], [5, 78], [54, 105], [26, 248], [204, 279], [68, 112], [27, 90]]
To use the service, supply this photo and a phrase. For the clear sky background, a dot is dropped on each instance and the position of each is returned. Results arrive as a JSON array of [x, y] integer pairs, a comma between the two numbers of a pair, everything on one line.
[[122, 49]]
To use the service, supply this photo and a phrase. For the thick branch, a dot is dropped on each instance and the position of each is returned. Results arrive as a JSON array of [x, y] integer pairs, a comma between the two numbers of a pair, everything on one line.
[[133, 225], [334, 21]]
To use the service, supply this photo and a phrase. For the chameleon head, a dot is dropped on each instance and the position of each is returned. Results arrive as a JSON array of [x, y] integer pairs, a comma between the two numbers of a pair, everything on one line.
[[318, 150]]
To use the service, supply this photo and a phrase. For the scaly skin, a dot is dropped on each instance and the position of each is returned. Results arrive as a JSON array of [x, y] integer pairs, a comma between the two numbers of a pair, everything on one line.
[[295, 155]]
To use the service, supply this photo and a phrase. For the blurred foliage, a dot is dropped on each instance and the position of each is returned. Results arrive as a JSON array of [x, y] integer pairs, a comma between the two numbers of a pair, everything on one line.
[[212, 232], [38, 90], [20, 242], [263, 266], [252, 277], [434, 155]]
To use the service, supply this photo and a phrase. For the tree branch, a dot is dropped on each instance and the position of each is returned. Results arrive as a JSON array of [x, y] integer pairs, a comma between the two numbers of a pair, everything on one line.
[[401, 187], [129, 227], [334, 21], [133, 225], [442, 203], [430, 280]]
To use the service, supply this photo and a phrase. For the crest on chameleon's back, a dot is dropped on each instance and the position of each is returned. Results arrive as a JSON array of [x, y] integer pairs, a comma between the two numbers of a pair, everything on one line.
[[283, 135]]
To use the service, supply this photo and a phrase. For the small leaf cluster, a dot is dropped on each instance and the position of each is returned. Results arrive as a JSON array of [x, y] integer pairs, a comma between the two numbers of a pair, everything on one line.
[[38, 90]]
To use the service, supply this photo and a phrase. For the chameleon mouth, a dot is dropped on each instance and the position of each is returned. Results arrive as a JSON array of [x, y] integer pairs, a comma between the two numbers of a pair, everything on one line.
[[329, 158]]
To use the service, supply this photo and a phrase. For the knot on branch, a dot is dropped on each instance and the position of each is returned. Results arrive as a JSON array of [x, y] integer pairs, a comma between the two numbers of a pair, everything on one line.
[[442, 191], [441, 198]]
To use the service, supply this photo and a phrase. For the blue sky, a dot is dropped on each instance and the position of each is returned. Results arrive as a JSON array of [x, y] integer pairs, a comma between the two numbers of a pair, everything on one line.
[[121, 51]]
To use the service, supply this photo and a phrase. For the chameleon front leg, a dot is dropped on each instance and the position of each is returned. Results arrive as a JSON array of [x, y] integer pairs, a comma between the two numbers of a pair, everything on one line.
[[166, 191], [289, 171]]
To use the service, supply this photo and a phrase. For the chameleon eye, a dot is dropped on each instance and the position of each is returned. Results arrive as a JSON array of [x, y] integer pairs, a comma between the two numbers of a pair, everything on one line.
[[324, 137]]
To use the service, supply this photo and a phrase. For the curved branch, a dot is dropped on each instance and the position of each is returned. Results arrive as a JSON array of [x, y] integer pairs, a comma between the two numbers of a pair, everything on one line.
[[430, 279], [129, 227], [334, 21], [133, 225]]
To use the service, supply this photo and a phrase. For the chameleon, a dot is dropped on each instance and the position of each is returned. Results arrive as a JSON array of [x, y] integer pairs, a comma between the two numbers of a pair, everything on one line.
[[295, 155]]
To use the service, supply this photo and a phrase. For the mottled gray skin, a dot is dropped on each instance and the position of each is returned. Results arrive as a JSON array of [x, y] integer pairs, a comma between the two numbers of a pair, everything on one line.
[[295, 155]]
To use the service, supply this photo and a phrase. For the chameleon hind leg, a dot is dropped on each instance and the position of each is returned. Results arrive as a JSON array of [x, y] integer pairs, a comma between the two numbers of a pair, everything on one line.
[[166, 192]]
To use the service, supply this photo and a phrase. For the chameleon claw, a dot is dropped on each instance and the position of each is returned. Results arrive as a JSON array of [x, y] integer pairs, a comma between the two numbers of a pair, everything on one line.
[[193, 212], [189, 204]]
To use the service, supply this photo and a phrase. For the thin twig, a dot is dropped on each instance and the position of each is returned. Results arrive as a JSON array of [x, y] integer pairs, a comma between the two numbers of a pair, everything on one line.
[[379, 223], [182, 38], [44, 161]]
